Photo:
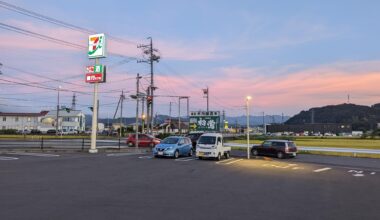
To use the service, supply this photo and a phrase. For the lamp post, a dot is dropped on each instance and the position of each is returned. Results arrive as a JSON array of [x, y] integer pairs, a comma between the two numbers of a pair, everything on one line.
[[248, 98], [56, 124]]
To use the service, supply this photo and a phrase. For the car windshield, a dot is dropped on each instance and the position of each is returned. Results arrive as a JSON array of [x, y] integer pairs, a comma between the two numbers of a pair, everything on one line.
[[291, 144], [207, 140], [170, 140]]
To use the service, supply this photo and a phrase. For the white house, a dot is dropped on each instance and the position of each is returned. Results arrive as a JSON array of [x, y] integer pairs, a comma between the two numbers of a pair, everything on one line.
[[73, 120], [21, 121], [68, 121]]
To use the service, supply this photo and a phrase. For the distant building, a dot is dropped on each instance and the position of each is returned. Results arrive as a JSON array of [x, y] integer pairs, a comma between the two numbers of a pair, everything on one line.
[[43, 121], [21, 121], [173, 127], [68, 121]]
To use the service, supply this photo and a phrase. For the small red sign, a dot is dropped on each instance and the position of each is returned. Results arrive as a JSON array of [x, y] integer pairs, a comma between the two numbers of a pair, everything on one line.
[[94, 78]]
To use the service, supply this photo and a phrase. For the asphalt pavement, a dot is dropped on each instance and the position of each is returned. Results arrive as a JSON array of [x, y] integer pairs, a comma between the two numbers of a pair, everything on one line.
[[137, 186]]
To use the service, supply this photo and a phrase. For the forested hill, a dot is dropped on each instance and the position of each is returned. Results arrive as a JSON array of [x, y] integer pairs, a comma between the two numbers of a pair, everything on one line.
[[361, 117]]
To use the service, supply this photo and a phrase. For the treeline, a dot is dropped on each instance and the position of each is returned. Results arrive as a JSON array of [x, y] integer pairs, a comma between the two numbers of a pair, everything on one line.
[[361, 117]]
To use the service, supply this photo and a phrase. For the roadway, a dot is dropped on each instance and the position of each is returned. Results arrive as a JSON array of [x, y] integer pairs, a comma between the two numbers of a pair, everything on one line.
[[137, 186]]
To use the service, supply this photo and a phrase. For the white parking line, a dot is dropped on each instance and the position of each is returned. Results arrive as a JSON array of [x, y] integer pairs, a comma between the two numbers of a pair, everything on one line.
[[224, 161], [234, 161], [8, 158], [145, 157], [123, 154], [35, 154], [373, 173], [321, 170], [185, 159]]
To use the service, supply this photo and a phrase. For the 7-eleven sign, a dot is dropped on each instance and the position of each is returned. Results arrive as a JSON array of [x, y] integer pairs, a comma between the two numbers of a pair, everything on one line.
[[96, 46]]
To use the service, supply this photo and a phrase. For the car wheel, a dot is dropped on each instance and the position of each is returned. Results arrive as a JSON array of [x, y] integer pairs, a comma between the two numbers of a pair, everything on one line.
[[218, 157], [191, 153], [227, 155], [255, 152], [280, 155], [200, 158], [176, 154], [130, 144]]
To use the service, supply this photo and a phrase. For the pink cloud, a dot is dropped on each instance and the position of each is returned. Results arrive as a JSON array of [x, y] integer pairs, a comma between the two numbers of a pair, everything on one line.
[[288, 93]]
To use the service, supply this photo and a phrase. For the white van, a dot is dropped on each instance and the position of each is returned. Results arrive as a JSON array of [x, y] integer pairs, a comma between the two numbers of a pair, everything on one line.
[[211, 145]]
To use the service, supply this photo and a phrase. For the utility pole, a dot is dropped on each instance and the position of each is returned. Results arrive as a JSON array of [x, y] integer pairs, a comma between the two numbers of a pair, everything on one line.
[[179, 115], [149, 50], [73, 103], [121, 112], [208, 95], [264, 127], [170, 116], [142, 114], [147, 110], [223, 119], [282, 118], [248, 98], [179, 109], [206, 92], [137, 108]]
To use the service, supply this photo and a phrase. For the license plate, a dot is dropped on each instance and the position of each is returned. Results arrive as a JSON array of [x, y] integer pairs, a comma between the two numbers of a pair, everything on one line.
[[160, 153], [200, 154], [294, 154]]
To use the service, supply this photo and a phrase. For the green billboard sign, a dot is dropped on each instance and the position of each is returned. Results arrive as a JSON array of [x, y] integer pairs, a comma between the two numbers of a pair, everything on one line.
[[205, 121]]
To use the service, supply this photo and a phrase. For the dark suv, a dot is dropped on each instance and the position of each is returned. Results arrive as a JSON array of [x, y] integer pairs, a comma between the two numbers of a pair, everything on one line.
[[194, 138], [277, 148]]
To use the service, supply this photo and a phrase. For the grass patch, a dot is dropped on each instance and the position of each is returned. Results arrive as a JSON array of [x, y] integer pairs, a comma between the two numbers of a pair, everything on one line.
[[328, 142], [342, 154], [33, 137]]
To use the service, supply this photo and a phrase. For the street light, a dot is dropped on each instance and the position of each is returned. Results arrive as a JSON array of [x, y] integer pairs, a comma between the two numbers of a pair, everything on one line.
[[56, 124], [248, 98]]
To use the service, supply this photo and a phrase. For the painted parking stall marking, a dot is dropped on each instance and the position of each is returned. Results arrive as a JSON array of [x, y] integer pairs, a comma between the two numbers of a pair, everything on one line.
[[357, 173], [8, 158], [145, 157], [123, 154], [287, 166], [322, 170], [186, 159], [225, 161], [35, 154], [234, 161]]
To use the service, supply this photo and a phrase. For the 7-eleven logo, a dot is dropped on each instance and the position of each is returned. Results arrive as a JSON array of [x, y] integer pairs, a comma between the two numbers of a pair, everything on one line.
[[96, 46]]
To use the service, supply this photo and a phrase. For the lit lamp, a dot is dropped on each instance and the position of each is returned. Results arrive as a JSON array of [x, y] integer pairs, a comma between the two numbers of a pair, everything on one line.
[[143, 122], [247, 99]]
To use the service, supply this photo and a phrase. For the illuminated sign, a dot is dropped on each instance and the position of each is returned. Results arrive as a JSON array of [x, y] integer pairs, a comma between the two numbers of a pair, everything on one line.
[[96, 46], [96, 74], [205, 121]]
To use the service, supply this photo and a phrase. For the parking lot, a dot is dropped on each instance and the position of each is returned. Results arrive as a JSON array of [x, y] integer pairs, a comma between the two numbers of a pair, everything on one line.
[[138, 186]]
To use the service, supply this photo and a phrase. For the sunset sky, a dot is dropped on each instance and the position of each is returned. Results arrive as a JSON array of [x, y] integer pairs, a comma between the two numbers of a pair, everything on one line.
[[288, 55]]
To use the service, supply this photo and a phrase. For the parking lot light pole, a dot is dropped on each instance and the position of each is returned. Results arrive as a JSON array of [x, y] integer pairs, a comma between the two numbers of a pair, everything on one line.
[[56, 124], [248, 98]]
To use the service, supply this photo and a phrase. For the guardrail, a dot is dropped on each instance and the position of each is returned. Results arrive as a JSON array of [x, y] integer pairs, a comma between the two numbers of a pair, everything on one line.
[[48, 143], [321, 149]]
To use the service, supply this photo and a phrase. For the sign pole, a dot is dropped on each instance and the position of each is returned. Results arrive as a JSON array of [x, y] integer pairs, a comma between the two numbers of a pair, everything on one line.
[[94, 117]]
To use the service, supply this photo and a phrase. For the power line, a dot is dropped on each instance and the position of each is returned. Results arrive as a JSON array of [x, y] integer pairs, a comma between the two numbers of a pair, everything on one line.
[[51, 20], [52, 39]]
